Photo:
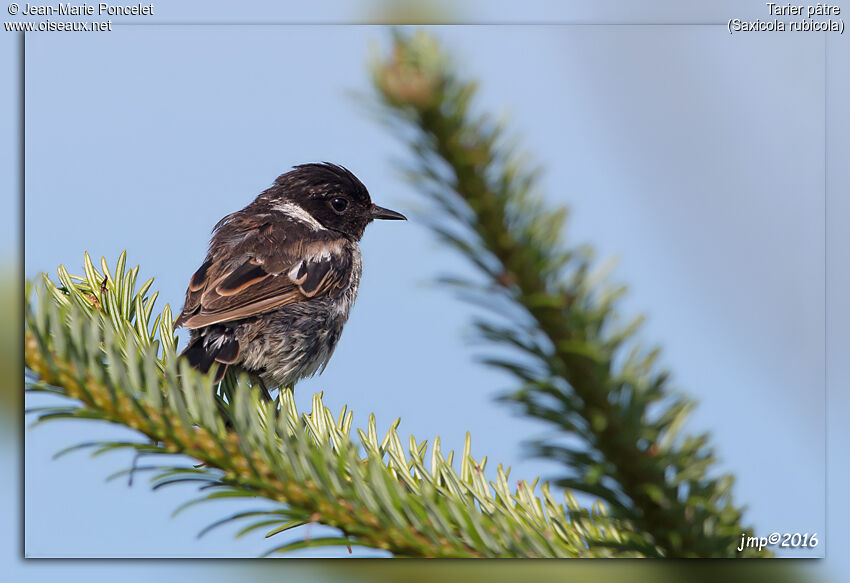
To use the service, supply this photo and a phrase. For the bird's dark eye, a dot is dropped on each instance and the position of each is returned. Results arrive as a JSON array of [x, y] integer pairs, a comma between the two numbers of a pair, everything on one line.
[[339, 204]]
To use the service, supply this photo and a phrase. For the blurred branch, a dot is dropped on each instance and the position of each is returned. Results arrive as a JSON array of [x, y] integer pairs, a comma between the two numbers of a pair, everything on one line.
[[578, 366], [89, 340]]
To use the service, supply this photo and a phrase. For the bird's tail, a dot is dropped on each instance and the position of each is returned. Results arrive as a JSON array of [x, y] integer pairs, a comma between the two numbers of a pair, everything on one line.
[[213, 345]]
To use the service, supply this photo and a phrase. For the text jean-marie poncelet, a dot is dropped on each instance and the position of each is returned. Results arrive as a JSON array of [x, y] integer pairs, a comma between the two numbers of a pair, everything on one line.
[[85, 9]]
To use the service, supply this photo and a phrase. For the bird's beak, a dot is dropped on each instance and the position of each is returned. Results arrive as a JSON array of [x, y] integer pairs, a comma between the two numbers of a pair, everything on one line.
[[379, 212]]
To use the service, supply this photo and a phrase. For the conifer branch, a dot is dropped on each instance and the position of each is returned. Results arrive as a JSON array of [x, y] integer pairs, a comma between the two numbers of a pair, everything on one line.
[[90, 341], [578, 366]]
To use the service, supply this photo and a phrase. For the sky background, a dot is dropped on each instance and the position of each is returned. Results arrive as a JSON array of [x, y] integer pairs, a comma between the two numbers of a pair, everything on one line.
[[694, 158]]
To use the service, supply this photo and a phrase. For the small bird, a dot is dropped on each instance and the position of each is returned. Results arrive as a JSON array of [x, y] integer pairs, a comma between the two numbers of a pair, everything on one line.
[[280, 277]]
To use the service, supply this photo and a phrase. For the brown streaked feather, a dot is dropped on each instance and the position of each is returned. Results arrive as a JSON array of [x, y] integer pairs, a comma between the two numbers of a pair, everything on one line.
[[241, 278], [205, 317], [200, 277], [301, 274], [229, 352], [265, 278], [317, 275]]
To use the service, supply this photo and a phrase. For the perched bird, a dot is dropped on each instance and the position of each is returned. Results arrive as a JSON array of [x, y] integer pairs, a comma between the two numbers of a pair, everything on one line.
[[280, 277]]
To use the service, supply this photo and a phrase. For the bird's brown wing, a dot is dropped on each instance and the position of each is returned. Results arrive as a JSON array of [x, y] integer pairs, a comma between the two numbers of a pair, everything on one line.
[[262, 277]]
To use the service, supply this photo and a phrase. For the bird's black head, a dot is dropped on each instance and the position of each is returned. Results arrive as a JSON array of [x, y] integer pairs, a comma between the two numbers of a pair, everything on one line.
[[328, 194]]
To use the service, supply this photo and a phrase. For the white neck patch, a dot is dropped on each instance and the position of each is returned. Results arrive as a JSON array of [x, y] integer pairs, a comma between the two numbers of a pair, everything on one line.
[[294, 211]]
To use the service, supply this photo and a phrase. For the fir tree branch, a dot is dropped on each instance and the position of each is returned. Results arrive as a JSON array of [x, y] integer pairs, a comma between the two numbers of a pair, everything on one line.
[[90, 339], [579, 367]]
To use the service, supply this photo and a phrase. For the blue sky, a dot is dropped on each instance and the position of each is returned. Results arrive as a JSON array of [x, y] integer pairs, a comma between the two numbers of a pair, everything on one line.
[[694, 158]]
